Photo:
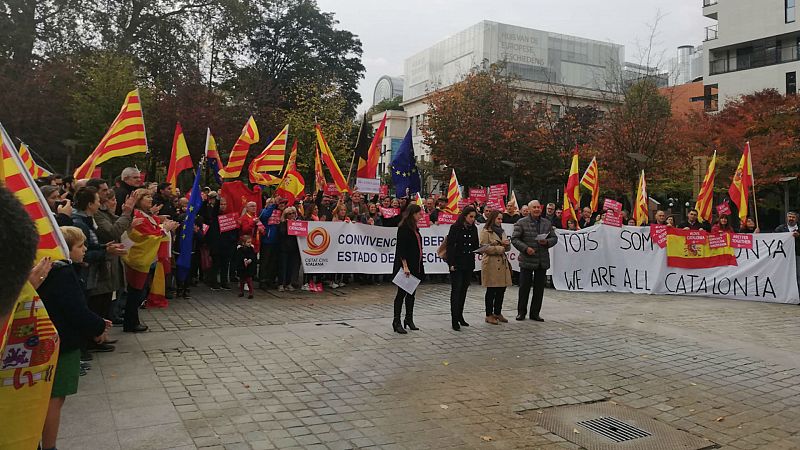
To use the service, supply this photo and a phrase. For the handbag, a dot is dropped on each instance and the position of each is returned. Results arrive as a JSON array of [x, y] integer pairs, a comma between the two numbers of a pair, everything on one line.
[[441, 251]]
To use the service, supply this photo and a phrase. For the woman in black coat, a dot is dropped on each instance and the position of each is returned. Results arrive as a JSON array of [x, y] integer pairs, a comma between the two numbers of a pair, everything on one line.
[[408, 258], [462, 241]]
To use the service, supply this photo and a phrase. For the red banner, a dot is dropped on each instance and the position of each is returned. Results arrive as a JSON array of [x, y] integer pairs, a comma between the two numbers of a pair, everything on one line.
[[696, 237], [724, 209], [717, 240], [498, 190], [742, 240], [424, 221], [446, 218], [228, 222], [384, 189], [275, 218], [331, 189], [613, 218], [658, 233], [478, 194], [613, 205], [388, 213], [297, 228]]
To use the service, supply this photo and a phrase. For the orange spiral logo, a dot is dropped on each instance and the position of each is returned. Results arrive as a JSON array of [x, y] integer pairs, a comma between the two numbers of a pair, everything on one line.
[[317, 248]]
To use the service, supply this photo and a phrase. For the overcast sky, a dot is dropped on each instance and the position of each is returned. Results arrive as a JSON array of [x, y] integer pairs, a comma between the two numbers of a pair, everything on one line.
[[391, 31]]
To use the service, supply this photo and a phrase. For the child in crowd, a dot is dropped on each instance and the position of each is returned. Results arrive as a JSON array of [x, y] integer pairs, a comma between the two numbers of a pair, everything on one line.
[[245, 263]]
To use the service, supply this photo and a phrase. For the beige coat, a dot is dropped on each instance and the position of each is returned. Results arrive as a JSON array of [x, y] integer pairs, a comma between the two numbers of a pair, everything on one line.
[[495, 268]]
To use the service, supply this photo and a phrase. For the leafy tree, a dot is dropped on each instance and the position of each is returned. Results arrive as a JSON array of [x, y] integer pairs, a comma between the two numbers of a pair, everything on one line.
[[389, 104]]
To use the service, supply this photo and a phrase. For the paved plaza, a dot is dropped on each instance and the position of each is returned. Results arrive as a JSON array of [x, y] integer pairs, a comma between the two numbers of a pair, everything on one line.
[[325, 371]]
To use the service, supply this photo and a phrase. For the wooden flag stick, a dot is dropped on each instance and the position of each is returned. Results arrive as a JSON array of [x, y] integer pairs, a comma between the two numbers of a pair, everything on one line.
[[753, 182]]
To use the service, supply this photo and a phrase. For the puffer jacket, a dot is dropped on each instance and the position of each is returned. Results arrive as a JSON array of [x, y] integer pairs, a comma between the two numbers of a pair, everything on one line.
[[524, 237]]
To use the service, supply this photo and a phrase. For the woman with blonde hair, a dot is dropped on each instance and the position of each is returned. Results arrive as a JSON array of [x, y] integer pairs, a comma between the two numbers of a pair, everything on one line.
[[290, 251]]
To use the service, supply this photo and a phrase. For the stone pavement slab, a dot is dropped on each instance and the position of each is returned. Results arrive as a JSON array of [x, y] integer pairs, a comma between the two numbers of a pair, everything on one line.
[[303, 370]]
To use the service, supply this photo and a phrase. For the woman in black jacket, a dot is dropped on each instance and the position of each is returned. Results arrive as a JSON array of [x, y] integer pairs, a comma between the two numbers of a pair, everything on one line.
[[462, 241], [62, 294], [408, 258]]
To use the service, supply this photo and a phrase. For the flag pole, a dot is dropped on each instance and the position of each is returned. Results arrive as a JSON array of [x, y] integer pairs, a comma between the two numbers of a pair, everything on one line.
[[358, 138], [753, 181]]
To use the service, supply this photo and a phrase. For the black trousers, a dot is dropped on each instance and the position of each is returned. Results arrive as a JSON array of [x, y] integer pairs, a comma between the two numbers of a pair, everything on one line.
[[527, 278], [268, 264], [100, 304], [494, 300], [459, 283], [220, 268], [134, 300], [398, 305]]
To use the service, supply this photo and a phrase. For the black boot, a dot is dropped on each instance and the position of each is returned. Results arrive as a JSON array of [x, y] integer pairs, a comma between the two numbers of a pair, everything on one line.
[[397, 327], [409, 322], [456, 325]]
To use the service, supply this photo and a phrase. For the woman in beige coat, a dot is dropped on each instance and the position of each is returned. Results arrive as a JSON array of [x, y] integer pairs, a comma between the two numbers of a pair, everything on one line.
[[495, 268]]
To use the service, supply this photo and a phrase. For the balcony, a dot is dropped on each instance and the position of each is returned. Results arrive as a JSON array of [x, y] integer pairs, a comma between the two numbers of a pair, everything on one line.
[[745, 60], [711, 32], [710, 9], [709, 2]]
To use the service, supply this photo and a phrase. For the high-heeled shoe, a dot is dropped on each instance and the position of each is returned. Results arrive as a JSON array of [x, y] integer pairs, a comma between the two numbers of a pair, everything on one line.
[[410, 324], [456, 326], [463, 323], [398, 328]]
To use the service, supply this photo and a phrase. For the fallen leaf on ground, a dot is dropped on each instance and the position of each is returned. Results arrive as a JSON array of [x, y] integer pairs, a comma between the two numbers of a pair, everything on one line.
[[720, 418], [445, 363], [575, 430], [444, 407], [486, 438], [540, 411], [693, 384], [613, 402], [691, 410]]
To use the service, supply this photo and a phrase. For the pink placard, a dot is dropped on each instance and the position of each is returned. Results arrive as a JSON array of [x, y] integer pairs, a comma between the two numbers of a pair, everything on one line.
[[717, 240], [384, 189], [388, 213], [446, 218], [495, 205], [463, 203], [696, 237], [297, 228], [478, 194], [331, 189], [424, 221], [724, 209], [501, 189], [742, 240], [227, 222], [658, 233], [613, 205], [275, 218], [613, 218]]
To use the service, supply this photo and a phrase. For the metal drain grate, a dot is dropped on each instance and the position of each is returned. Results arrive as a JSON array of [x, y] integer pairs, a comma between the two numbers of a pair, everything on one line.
[[614, 429]]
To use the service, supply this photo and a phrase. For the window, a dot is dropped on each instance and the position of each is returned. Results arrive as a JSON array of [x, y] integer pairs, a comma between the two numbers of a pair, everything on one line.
[[743, 57], [791, 83], [790, 10]]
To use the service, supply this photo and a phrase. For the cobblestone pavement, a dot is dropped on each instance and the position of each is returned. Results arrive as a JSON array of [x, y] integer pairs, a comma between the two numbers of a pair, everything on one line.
[[304, 370]]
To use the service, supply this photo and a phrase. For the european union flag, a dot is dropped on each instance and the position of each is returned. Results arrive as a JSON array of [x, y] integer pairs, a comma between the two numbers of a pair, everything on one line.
[[186, 237], [405, 175]]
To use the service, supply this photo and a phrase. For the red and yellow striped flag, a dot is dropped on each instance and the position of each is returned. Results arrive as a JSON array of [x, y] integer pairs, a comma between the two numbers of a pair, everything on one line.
[[453, 195], [319, 175], [238, 154], [591, 181], [18, 180], [573, 189], [34, 169], [270, 160], [705, 199], [125, 136], [641, 213], [180, 159], [330, 161], [742, 182]]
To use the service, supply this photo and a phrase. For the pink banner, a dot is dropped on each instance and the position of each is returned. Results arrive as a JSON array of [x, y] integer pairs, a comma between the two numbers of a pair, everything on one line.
[[742, 240], [388, 213], [724, 209], [717, 240], [297, 228], [659, 234], [613, 218], [424, 221], [446, 218], [478, 194], [696, 237], [612, 205], [498, 189], [275, 218], [227, 222]]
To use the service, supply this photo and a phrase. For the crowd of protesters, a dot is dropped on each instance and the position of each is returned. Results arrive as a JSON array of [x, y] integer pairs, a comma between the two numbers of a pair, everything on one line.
[[106, 223]]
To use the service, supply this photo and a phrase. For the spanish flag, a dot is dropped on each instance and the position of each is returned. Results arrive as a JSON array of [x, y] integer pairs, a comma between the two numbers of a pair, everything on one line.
[[124, 137], [453, 195], [292, 186], [683, 254], [270, 160], [147, 239], [238, 154], [567, 212], [319, 175], [573, 189], [705, 199], [180, 158], [330, 161], [18, 180], [742, 182]]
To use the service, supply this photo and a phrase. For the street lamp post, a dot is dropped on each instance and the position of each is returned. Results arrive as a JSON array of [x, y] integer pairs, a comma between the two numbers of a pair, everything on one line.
[[512, 165], [785, 184]]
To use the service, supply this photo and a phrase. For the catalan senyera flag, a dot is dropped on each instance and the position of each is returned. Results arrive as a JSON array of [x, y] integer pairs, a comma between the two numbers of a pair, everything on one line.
[[742, 183], [641, 213], [18, 180], [292, 186], [180, 158], [212, 156], [327, 157], [369, 168], [270, 160], [125, 136], [591, 181], [705, 198], [573, 189], [34, 169], [453, 194], [682, 254], [319, 175], [238, 154]]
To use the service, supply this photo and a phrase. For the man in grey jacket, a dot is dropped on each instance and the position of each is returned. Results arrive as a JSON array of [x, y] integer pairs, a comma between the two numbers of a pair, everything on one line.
[[533, 235]]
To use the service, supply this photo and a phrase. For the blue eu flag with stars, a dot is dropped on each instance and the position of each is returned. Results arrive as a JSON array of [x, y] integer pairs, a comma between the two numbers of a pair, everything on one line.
[[405, 175], [186, 237]]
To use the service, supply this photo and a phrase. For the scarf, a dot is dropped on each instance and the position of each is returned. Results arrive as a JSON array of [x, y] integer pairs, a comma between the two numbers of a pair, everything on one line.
[[498, 230]]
